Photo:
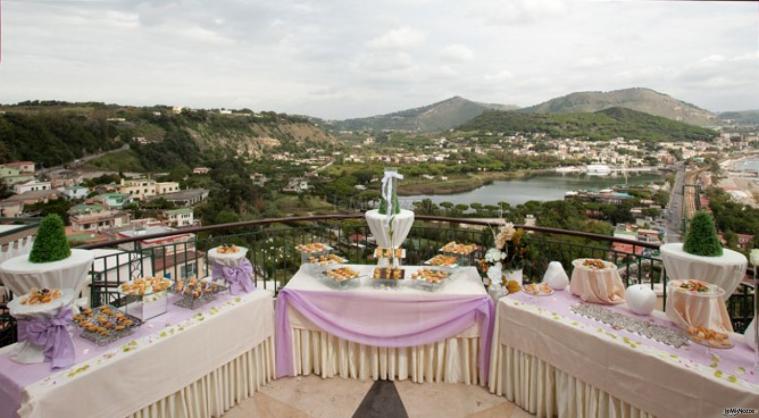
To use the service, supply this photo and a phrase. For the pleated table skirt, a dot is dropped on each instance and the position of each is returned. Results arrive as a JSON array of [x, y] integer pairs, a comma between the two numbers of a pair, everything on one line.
[[454, 360], [218, 391], [546, 391]]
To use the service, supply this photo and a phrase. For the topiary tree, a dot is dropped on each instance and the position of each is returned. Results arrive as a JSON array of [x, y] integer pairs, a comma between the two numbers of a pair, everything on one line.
[[51, 243], [701, 237]]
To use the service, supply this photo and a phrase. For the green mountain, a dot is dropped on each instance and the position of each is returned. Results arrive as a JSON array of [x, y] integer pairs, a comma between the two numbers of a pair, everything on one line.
[[54, 133], [640, 99], [744, 117], [603, 124], [438, 116]]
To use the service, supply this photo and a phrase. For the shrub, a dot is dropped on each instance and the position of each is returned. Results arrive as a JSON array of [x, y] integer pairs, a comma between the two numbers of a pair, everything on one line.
[[51, 243], [701, 237]]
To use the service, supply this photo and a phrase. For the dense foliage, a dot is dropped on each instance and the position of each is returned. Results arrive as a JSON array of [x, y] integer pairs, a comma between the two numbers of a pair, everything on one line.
[[604, 124], [51, 243], [701, 236], [53, 138]]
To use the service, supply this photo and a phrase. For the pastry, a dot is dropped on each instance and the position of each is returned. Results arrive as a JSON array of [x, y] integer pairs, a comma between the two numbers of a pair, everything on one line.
[[538, 289], [388, 273], [594, 263], [40, 296], [429, 275], [325, 260], [709, 337], [695, 286], [442, 260], [145, 285], [381, 252], [342, 274], [459, 249], [314, 247], [228, 249]]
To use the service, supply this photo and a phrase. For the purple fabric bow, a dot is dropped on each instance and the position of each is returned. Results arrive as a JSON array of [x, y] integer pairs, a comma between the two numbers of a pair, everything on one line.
[[50, 334], [238, 278], [382, 321]]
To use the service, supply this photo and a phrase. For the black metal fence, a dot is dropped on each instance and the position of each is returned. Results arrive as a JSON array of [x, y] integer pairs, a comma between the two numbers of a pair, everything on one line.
[[272, 242]]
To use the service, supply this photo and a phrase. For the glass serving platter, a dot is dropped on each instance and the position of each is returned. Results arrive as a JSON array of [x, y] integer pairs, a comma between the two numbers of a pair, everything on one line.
[[388, 277], [105, 324], [195, 293], [430, 278], [341, 278]]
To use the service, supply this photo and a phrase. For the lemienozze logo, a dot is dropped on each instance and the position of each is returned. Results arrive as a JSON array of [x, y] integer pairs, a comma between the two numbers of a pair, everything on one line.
[[731, 412]]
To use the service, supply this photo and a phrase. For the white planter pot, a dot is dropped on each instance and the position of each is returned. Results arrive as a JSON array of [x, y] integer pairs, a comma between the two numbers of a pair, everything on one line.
[[555, 276], [515, 275], [641, 299], [379, 227]]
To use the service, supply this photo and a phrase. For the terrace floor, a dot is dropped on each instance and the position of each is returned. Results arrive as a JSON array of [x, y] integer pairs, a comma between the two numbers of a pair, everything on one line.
[[314, 397]]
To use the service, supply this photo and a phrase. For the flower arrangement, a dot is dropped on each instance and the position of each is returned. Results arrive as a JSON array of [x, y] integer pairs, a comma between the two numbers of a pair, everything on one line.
[[509, 252]]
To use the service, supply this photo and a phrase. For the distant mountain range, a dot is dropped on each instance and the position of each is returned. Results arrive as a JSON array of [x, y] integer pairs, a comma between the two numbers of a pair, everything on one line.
[[744, 117], [640, 99], [439, 116], [453, 112], [603, 124]]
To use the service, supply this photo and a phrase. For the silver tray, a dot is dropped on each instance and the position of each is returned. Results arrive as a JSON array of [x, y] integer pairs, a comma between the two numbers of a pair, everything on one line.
[[102, 340]]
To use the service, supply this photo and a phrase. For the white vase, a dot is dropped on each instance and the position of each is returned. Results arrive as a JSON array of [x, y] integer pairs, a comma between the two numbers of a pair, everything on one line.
[[379, 227], [641, 299], [555, 276], [515, 275]]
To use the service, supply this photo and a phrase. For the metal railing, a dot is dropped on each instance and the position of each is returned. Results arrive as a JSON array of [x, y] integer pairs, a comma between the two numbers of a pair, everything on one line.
[[271, 244]]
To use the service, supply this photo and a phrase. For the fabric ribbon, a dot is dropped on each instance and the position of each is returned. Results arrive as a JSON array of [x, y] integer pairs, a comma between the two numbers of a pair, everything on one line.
[[382, 322], [51, 335], [387, 191], [238, 277]]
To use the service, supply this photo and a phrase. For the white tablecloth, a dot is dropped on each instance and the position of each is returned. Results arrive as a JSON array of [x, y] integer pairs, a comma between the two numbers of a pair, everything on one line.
[[454, 360], [199, 367], [402, 223], [725, 271], [20, 275], [227, 260]]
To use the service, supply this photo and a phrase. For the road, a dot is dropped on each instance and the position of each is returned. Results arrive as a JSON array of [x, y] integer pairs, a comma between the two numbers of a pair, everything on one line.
[[675, 207], [78, 163]]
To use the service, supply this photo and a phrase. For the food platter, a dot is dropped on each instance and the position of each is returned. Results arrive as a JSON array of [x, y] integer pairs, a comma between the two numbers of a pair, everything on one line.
[[442, 260], [381, 252], [313, 248], [538, 289], [145, 286], [387, 276], [105, 324], [459, 249], [341, 277], [430, 278], [710, 338]]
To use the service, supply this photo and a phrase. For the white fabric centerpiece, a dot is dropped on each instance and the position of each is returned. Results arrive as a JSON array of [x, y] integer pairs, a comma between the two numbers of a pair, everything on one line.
[[378, 225], [726, 271], [21, 275]]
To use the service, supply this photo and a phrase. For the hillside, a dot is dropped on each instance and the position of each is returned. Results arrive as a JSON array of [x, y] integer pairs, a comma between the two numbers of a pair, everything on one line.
[[438, 116], [744, 117], [640, 99], [604, 124], [53, 133]]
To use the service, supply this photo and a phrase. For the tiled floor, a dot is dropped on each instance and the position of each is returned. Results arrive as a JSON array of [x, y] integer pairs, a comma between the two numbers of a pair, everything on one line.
[[314, 397]]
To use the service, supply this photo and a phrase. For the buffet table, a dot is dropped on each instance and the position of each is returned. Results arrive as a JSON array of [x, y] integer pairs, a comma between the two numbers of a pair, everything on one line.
[[385, 333], [185, 363], [551, 361]]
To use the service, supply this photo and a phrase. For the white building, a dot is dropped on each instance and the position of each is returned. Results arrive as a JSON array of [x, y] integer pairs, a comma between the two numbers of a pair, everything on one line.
[[32, 186], [75, 192]]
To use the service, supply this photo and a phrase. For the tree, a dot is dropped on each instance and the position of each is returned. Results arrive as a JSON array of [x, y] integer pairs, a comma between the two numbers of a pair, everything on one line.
[[447, 206], [701, 237], [51, 243]]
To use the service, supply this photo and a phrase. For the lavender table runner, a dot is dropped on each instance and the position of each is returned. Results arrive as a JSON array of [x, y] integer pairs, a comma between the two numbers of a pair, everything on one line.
[[734, 364], [383, 320], [14, 377]]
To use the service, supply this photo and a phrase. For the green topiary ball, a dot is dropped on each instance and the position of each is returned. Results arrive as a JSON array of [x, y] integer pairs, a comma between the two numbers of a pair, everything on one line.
[[701, 238], [51, 243]]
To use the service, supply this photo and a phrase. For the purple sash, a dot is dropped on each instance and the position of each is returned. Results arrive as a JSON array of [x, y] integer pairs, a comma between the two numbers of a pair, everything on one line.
[[238, 278], [50, 334]]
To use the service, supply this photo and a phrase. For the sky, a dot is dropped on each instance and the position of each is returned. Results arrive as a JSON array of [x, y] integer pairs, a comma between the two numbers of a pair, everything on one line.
[[337, 59]]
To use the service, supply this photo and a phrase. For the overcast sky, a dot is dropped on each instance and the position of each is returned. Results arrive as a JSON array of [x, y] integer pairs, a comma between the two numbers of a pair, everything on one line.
[[338, 59]]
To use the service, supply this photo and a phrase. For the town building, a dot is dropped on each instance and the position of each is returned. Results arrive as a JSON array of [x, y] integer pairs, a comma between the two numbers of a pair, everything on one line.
[[200, 170], [187, 197], [75, 192], [113, 200], [179, 218], [174, 256], [31, 186], [13, 206], [98, 219], [296, 185], [142, 189], [24, 167]]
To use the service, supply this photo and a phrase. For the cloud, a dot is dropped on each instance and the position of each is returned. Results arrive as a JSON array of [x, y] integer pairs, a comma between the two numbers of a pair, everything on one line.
[[341, 58], [457, 52], [400, 38]]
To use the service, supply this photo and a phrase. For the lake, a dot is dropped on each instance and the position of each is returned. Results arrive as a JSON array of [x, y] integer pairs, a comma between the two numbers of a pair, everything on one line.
[[541, 188]]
